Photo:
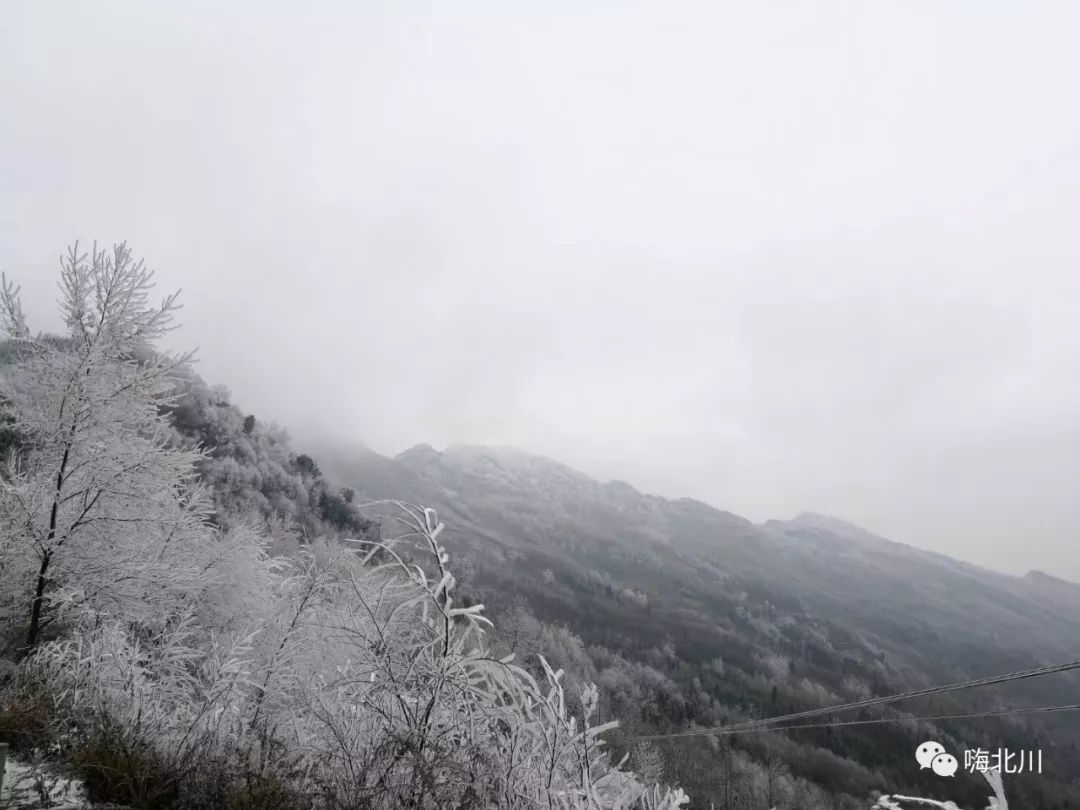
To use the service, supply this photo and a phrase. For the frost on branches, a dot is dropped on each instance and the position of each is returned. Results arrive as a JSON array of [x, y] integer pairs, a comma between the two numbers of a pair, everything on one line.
[[898, 802], [182, 665], [96, 514]]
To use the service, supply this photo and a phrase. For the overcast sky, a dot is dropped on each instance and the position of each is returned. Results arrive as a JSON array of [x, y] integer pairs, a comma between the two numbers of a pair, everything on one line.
[[776, 256]]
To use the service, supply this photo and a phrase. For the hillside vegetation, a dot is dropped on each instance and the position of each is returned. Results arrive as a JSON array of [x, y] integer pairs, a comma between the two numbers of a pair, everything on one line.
[[690, 616], [196, 619], [200, 615]]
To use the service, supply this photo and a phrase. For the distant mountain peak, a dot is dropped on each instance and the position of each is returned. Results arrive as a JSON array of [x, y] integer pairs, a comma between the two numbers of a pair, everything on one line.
[[1042, 578], [833, 525], [826, 521], [514, 460], [617, 485], [417, 451]]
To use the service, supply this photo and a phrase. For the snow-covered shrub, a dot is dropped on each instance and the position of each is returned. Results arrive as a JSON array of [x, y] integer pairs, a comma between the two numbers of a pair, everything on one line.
[[364, 685], [900, 802], [181, 666]]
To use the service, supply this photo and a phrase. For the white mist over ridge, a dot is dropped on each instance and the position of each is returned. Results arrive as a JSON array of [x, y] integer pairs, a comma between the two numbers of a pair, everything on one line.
[[823, 261]]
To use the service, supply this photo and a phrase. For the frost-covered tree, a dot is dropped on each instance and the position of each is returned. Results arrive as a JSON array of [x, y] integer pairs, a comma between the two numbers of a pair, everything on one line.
[[364, 686], [96, 511], [190, 663]]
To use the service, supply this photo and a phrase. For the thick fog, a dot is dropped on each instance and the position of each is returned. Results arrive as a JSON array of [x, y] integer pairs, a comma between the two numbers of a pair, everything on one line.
[[816, 256]]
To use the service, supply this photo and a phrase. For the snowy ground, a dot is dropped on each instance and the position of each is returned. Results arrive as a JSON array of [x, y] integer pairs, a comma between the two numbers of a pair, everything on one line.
[[26, 787]]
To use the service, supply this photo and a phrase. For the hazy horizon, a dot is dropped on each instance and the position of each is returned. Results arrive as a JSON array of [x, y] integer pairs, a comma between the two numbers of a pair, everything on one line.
[[822, 260]]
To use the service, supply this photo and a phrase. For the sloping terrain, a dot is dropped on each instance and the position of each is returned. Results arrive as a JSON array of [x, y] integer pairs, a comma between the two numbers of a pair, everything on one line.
[[753, 620]]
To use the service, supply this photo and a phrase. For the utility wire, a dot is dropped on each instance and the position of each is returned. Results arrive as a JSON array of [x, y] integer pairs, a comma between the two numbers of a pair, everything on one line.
[[876, 701], [1040, 709]]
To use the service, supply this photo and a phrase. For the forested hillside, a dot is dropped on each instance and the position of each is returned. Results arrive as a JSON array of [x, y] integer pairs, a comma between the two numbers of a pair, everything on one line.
[[194, 617], [199, 614], [687, 615]]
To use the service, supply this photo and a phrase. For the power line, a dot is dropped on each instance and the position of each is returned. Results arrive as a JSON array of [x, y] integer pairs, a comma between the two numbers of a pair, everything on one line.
[[880, 720], [876, 701]]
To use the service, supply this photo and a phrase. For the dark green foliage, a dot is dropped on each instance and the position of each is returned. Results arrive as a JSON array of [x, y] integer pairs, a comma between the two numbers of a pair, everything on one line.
[[9, 436], [26, 716], [307, 466], [114, 771], [249, 423], [337, 512], [191, 417], [262, 793]]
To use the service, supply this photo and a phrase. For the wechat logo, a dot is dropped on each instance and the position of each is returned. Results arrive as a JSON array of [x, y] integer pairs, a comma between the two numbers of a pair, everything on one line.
[[934, 756]]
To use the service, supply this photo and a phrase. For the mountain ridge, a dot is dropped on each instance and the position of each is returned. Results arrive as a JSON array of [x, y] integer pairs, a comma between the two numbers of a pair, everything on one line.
[[529, 482], [687, 614], [809, 519], [743, 619]]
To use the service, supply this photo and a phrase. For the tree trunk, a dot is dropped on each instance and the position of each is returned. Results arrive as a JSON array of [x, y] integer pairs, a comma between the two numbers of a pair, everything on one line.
[[39, 599], [39, 590]]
